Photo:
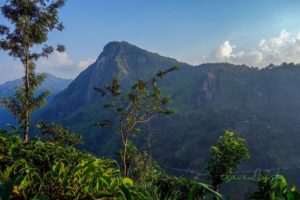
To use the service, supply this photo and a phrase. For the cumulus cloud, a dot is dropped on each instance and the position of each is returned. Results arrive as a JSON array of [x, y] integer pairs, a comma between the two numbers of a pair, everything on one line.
[[85, 63], [283, 48], [225, 50], [56, 60], [58, 64], [62, 65], [227, 53]]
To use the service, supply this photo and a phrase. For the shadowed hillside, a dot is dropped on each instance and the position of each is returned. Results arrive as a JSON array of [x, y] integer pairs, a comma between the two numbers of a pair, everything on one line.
[[262, 105]]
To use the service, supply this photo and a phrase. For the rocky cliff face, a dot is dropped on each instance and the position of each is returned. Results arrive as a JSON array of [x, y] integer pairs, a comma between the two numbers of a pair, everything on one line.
[[207, 89]]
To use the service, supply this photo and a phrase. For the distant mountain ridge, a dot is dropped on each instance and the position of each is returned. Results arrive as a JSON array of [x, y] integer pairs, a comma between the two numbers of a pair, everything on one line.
[[261, 104], [8, 88], [52, 82]]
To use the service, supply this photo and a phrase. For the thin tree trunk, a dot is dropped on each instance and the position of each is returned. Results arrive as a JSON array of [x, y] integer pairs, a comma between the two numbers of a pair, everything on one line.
[[26, 126], [125, 158], [216, 188], [27, 86]]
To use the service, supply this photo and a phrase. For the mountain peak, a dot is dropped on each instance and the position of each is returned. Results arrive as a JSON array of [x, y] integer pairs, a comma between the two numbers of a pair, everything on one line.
[[118, 44], [123, 52], [112, 49], [123, 59]]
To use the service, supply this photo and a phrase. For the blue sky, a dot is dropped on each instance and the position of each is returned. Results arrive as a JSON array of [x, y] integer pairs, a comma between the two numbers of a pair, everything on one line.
[[252, 32]]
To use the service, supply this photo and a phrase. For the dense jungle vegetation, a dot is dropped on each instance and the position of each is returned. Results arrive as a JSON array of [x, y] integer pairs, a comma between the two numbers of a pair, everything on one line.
[[50, 170]]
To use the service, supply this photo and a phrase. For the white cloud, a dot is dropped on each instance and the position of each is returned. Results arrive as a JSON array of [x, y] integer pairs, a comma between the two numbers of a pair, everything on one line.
[[225, 50], [56, 60], [62, 65], [226, 53], [283, 48], [85, 63]]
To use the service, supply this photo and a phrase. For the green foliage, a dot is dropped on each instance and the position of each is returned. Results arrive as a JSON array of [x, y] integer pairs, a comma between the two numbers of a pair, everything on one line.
[[31, 20], [132, 109], [17, 103], [60, 135], [144, 170], [36, 170], [154, 183], [131, 152], [183, 188], [154, 193], [274, 188], [226, 156]]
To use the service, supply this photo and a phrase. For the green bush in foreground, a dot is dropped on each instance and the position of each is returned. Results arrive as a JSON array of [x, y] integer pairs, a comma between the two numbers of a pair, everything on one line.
[[46, 170], [274, 188], [37, 170], [225, 157], [154, 183]]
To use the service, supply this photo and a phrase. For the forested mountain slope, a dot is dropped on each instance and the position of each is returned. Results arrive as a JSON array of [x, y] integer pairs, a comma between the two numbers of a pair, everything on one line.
[[262, 105]]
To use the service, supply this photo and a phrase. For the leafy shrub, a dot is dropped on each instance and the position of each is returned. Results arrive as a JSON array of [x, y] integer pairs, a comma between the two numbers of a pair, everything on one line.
[[225, 157], [56, 133], [35, 170], [186, 188], [274, 188], [151, 192], [46, 170], [154, 183]]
